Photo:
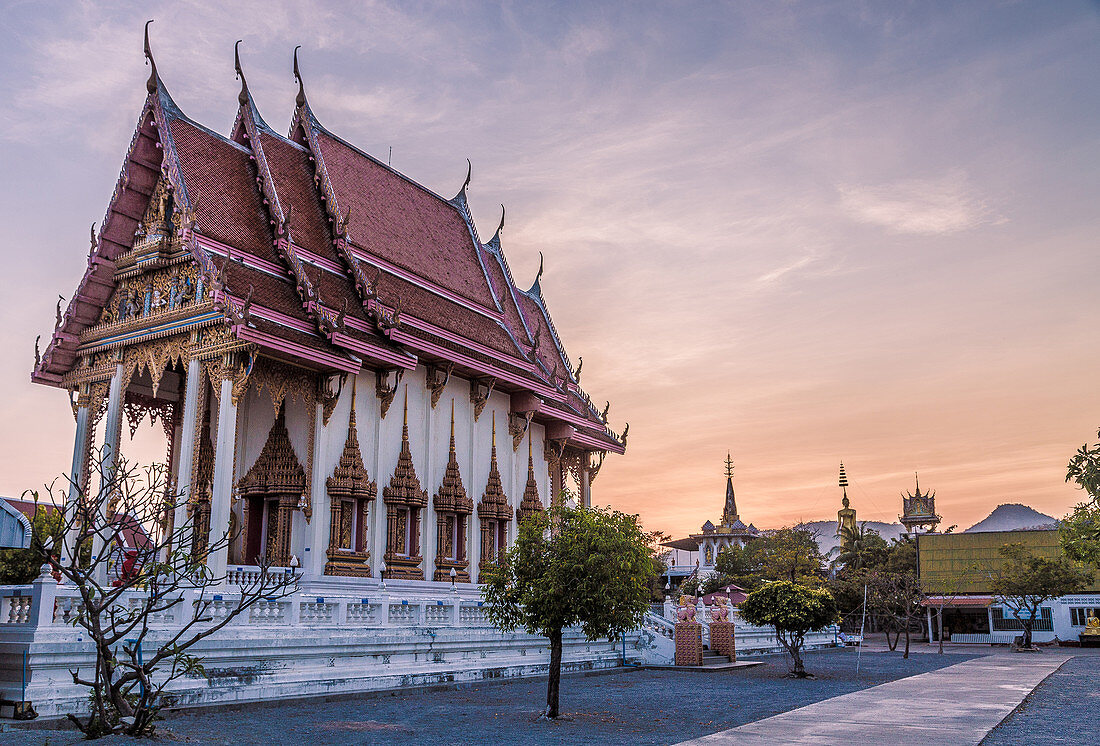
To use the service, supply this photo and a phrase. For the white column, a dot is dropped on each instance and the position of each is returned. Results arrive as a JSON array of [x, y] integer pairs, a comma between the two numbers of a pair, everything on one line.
[[313, 561], [378, 506], [473, 543], [223, 478], [586, 486], [76, 485], [187, 444], [108, 466], [928, 611]]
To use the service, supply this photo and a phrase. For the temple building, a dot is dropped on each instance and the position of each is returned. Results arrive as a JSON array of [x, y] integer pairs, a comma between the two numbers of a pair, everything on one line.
[[700, 551], [919, 510], [345, 371]]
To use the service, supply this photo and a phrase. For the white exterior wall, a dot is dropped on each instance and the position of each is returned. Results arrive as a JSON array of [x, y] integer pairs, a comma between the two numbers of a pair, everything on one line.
[[380, 445]]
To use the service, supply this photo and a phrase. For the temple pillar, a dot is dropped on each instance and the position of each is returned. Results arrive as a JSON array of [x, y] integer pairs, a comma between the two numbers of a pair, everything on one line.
[[585, 485], [187, 445], [473, 524], [222, 486], [108, 467], [77, 486], [380, 520], [320, 527], [429, 533]]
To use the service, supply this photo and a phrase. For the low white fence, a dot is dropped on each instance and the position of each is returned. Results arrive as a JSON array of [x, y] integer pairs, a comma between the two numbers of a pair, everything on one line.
[[45, 603]]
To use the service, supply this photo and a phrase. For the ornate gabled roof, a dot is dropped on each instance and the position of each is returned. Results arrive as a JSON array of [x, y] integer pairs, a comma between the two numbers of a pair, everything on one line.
[[277, 471], [350, 477], [404, 487], [494, 503], [531, 502], [451, 496], [343, 260]]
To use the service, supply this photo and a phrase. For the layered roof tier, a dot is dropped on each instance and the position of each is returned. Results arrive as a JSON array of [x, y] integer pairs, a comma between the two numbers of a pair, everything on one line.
[[323, 256]]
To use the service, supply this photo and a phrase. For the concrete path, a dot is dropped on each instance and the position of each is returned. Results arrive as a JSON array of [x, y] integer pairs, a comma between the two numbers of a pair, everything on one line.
[[959, 704]]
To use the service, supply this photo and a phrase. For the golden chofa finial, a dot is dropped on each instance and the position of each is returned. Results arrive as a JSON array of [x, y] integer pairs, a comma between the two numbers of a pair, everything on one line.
[[151, 84]]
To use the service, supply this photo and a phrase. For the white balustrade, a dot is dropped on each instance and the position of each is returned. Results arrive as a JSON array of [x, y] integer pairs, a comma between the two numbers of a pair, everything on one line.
[[405, 614], [438, 615], [471, 615], [317, 612], [364, 613], [16, 610]]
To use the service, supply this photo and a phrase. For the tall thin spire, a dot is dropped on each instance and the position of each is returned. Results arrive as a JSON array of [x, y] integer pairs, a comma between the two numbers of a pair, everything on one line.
[[843, 480], [729, 513]]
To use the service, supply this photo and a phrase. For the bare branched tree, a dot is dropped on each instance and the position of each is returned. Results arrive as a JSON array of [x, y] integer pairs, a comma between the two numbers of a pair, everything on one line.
[[146, 593]]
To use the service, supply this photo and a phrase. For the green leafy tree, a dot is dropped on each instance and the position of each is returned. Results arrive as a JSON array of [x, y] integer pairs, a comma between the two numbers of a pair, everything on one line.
[[901, 556], [1080, 530], [860, 548], [21, 566], [1025, 581], [591, 570], [782, 554], [794, 610]]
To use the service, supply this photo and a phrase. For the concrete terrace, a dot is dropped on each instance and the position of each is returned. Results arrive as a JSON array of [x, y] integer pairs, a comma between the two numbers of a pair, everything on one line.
[[954, 698]]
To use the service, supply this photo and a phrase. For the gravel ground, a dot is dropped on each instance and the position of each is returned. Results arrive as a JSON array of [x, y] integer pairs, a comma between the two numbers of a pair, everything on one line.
[[634, 707], [1065, 708]]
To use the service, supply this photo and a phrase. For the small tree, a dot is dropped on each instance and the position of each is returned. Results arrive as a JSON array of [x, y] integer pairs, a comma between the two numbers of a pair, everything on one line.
[[794, 610], [781, 554], [1080, 530], [1025, 581], [592, 570], [895, 598], [126, 578]]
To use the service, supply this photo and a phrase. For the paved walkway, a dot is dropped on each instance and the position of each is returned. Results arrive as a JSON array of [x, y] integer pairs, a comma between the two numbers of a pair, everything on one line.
[[959, 704]]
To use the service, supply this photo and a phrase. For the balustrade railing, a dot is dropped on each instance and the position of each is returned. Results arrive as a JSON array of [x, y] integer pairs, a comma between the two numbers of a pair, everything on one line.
[[45, 603]]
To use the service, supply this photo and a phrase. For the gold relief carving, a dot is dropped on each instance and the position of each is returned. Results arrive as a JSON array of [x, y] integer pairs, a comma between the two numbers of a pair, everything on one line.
[[385, 389], [155, 357], [518, 423], [531, 502], [594, 468], [284, 381], [230, 368], [480, 391], [328, 397], [436, 380]]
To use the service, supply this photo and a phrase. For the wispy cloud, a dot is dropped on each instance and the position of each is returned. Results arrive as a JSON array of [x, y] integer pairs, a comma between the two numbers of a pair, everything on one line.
[[939, 206]]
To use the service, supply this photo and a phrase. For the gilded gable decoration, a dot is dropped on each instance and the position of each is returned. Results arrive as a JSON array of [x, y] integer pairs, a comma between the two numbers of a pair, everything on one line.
[[404, 499], [531, 502], [493, 511], [351, 491], [273, 488], [452, 507]]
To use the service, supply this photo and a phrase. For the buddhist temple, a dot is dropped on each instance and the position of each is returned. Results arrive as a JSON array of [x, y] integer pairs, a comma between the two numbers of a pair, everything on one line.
[[919, 510], [332, 348], [700, 551]]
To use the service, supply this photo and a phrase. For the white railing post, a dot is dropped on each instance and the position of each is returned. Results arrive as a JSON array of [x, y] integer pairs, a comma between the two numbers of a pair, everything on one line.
[[294, 617], [456, 603], [44, 593], [670, 609]]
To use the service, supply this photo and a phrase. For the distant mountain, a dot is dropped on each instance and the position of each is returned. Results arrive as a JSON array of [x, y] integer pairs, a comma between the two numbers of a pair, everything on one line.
[[1012, 516], [827, 539]]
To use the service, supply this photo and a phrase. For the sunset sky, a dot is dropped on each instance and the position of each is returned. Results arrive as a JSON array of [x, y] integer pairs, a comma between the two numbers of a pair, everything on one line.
[[799, 232]]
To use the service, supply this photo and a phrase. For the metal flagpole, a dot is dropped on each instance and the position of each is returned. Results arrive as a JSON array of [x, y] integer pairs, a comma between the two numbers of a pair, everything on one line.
[[862, 622]]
